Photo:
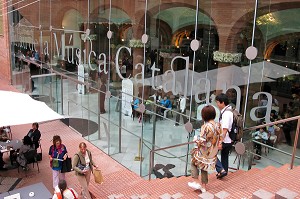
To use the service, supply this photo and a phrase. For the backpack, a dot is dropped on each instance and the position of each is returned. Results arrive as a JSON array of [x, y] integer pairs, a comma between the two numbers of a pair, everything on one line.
[[236, 132]]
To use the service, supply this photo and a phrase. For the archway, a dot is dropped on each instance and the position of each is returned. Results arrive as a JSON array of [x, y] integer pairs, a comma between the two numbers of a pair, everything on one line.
[[71, 21]]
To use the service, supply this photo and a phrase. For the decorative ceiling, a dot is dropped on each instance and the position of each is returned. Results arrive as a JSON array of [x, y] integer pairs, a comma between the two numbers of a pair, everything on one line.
[[180, 17], [117, 17], [279, 23]]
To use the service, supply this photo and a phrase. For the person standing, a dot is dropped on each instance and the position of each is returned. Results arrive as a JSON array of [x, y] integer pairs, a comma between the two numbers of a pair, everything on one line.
[[35, 134], [226, 120], [57, 153], [182, 109], [287, 127], [204, 155], [83, 166]]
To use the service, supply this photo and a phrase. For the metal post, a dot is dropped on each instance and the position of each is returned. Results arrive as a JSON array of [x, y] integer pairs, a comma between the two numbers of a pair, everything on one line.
[[99, 120], [187, 153], [295, 144], [50, 94], [68, 108], [61, 95], [154, 128], [120, 123], [151, 159]]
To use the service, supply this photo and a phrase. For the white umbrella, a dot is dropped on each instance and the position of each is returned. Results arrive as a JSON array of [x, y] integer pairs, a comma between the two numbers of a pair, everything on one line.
[[269, 69], [18, 108]]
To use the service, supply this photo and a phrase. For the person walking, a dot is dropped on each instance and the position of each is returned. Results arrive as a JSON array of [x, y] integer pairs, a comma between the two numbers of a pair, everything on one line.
[[57, 153], [204, 155], [226, 120], [83, 166], [63, 192]]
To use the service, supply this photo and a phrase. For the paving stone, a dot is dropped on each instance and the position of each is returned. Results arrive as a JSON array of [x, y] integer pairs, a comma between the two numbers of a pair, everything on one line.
[[138, 196], [285, 194], [206, 195], [177, 195], [165, 196], [263, 194], [114, 196], [221, 195]]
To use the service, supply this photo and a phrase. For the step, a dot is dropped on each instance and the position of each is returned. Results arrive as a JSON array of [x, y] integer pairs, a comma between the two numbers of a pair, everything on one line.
[[228, 181], [152, 188], [261, 181], [262, 194], [285, 194], [172, 186], [241, 186], [123, 181], [288, 179]]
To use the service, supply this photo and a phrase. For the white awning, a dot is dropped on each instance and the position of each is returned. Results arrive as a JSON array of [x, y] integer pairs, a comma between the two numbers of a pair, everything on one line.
[[18, 108]]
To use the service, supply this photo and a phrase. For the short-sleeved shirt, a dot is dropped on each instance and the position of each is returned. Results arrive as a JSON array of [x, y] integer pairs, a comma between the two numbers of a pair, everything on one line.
[[226, 121]]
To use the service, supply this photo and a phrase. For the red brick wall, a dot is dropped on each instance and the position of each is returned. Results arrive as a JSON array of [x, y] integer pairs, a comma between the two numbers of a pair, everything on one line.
[[5, 71]]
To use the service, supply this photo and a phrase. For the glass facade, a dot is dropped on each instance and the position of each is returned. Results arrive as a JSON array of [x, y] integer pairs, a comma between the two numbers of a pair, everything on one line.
[[105, 62]]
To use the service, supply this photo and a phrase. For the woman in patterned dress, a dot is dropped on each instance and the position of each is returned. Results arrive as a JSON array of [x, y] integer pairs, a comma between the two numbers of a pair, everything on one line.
[[204, 155]]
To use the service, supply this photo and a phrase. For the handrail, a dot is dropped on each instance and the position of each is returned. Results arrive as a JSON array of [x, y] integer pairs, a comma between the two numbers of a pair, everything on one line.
[[151, 162], [276, 149], [293, 155], [273, 123]]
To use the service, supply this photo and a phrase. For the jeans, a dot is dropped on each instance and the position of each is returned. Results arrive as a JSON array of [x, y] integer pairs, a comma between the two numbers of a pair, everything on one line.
[[219, 166]]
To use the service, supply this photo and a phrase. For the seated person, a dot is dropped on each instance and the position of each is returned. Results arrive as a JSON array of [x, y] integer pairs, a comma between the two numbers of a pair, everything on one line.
[[136, 103], [35, 134], [167, 104], [19, 156], [274, 115], [271, 130], [260, 135], [3, 135]]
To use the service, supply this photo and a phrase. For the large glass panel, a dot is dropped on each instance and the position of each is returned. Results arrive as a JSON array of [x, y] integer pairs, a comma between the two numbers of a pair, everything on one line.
[[48, 88], [103, 62]]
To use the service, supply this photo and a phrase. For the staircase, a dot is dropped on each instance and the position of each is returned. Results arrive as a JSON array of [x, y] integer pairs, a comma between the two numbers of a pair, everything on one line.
[[239, 184]]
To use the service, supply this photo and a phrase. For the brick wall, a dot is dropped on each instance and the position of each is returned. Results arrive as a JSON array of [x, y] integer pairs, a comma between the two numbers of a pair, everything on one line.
[[5, 71]]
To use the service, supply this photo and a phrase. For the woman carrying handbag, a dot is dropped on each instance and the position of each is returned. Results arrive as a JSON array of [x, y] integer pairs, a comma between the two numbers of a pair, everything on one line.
[[83, 166], [57, 153]]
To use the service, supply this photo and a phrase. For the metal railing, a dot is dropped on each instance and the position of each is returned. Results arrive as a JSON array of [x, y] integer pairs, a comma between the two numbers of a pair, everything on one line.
[[293, 155]]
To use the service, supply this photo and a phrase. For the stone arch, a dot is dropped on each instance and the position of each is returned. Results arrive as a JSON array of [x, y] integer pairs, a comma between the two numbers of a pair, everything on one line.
[[121, 28], [57, 21], [245, 20], [277, 40], [69, 23], [164, 6]]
